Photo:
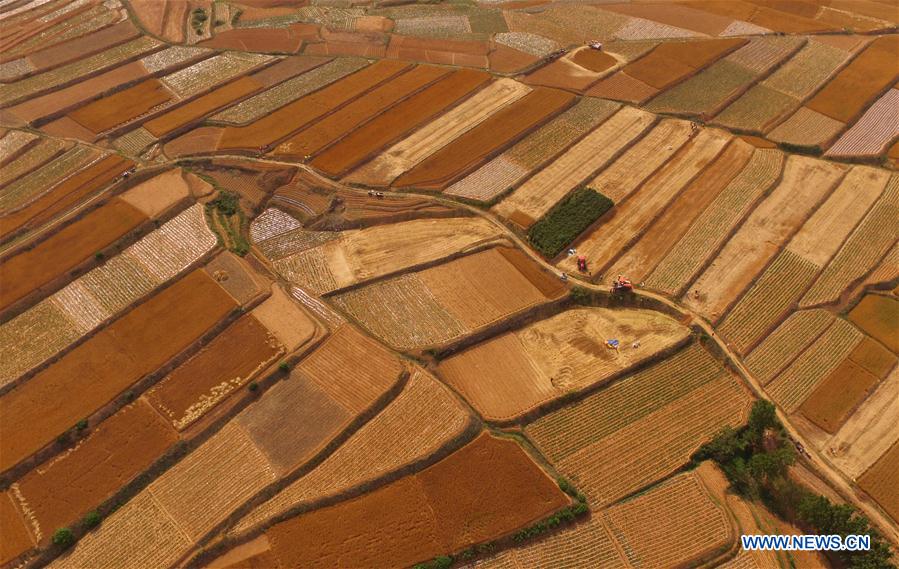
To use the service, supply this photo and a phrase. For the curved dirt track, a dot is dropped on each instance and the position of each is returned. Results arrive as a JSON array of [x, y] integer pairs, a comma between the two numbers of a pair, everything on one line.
[[813, 459]]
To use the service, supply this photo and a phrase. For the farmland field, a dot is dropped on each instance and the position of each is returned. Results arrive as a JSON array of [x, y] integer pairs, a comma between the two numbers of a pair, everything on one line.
[[422, 516], [326, 283], [518, 371]]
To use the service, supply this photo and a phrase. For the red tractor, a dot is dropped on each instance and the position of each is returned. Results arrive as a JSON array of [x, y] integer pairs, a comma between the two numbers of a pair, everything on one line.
[[621, 284], [582, 263]]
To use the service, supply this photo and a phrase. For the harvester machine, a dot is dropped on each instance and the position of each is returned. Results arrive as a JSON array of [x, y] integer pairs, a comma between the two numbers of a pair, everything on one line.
[[621, 285]]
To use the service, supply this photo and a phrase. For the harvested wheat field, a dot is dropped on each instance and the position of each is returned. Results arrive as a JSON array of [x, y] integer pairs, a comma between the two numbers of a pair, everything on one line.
[[112, 359], [652, 421], [882, 480], [422, 418], [696, 525], [228, 362], [535, 197], [443, 303], [61, 490], [830, 404], [630, 218], [805, 184], [516, 372], [398, 121], [421, 144], [351, 257], [470, 149], [460, 501]]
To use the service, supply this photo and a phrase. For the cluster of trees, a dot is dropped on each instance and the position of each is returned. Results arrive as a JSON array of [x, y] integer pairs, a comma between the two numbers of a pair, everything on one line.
[[756, 459], [567, 220]]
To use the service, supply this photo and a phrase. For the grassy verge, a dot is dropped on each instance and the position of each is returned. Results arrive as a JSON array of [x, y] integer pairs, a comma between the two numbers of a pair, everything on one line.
[[567, 220]]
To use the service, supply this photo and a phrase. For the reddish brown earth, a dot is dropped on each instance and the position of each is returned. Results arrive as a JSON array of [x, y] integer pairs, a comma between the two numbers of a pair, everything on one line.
[[62, 490], [16, 537], [54, 257], [57, 101], [303, 111], [99, 369], [103, 114], [83, 46], [276, 40], [401, 119], [309, 141], [202, 106], [478, 144], [594, 60], [462, 500], [287, 68], [226, 363], [504, 59]]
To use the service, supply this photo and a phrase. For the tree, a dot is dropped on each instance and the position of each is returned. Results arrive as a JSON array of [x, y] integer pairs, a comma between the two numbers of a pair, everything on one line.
[[63, 537], [762, 417], [91, 519]]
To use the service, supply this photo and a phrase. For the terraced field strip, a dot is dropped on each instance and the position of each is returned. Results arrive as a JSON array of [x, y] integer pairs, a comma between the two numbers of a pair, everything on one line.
[[706, 93], [712, 227], [108, 112], [301, 112], [227, 363], [58, 492], [515, 164], [495, 133], [360, 255], [313, 139], [62, 76], [793, 270], [204, 75], [436, 507], [790, 388], [640, 161], [541, 192], [838, 394], [311, 74], [17, 537], [879, 481], [34, 157], [82, 46], [68, 194], [789, 340], [41, 108], [868, 243], [805, 184], [638, 261], [873, 131], [869, 432], [29, 271], [271, 223], [514, 373], [785, 89], [14, 142], [423, 417], [695, 524], [607, 240], [79, 308], [202, 106], [856, 85], [117, 356], [67, 22], [807, 128], [22, 191], [398, 121], [427, 140]]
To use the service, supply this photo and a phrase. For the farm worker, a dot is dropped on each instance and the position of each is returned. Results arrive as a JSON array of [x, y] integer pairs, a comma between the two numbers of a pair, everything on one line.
[[564, 276], [636, 344]]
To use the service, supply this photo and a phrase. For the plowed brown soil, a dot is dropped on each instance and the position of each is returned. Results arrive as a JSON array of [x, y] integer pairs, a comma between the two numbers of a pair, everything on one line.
[[301, 112], [835, 397], [65, 195], [228, 362], [311, 140], [64, 250], [61, 491], [857, 84], [84, 46], [501, 129], [673, 61], [362, 143], [202, 106], [279, 40], [872, 356], [103, 114], [485, 490], [98, 370], [16, 537], [594, 60]]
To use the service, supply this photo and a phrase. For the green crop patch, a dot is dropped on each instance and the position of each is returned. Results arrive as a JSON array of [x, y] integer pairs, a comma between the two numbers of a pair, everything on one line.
[[567, 220]]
